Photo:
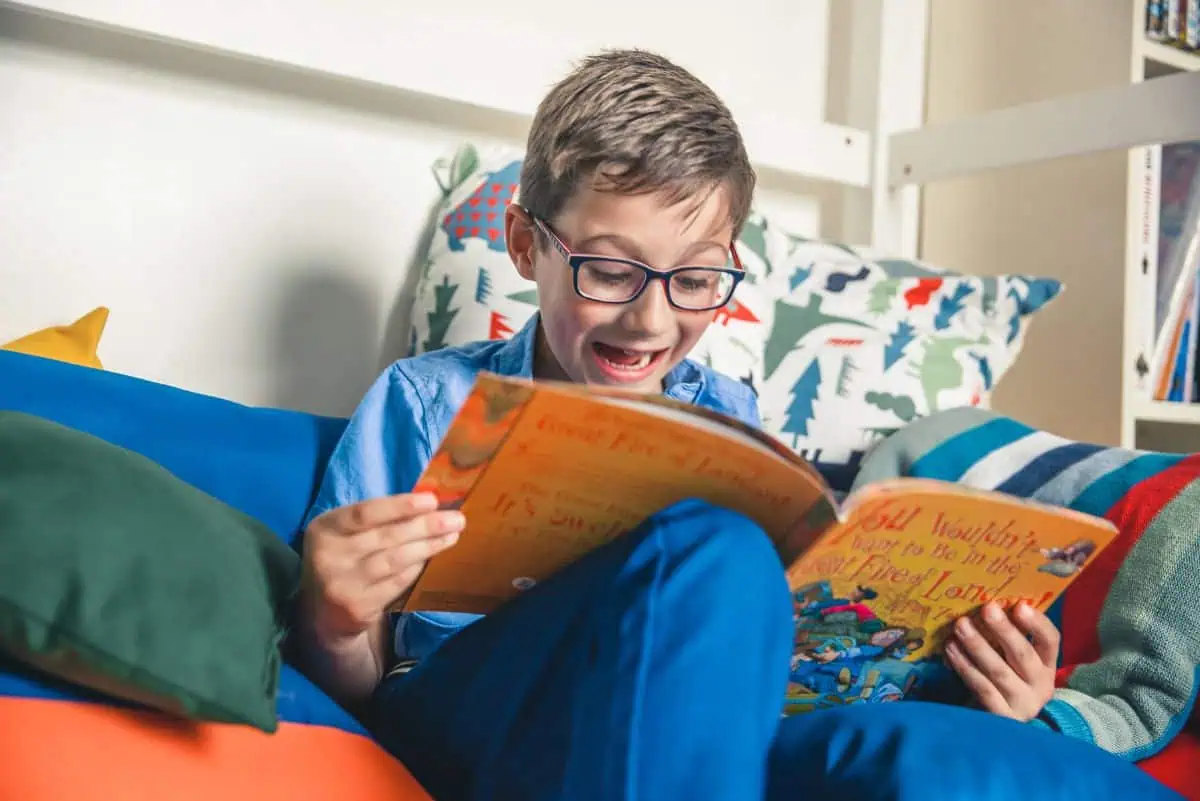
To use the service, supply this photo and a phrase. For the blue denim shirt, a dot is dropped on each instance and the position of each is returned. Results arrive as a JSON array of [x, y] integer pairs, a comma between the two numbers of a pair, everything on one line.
[[401, 420]]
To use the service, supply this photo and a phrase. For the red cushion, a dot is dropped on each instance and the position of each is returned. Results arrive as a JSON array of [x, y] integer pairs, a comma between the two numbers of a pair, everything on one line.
[[94, 752], [1175, 765]]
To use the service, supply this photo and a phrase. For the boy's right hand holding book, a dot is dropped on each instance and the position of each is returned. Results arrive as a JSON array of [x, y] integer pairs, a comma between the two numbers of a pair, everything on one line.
[[358, 560]]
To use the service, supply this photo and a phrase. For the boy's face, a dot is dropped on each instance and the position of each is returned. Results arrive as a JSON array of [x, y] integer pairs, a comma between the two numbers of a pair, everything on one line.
[[632, 345]]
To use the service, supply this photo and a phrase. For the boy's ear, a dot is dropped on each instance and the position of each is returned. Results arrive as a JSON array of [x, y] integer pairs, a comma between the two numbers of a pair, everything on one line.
[[521, 239]]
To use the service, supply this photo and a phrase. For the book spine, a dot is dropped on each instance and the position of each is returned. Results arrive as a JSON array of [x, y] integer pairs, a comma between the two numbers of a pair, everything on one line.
[[1155, 24], [1183, 261], [1171, 26], [1149, 323], [1192, 26], [1189, 358], [1182, 350]]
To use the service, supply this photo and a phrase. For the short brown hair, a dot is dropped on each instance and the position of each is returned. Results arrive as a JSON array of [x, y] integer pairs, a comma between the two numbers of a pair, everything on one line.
[[632, 122]]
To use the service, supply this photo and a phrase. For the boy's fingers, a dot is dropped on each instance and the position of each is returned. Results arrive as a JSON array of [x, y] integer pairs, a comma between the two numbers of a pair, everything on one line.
[[1020, 654], [389, 562], [1041, 630], [987, 659], [431, 524], [980, 686], [382, 594], [376, 512]]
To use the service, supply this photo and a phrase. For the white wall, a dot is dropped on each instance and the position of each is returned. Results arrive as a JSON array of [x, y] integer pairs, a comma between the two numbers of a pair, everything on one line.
[[251, 229], [1064, 219]]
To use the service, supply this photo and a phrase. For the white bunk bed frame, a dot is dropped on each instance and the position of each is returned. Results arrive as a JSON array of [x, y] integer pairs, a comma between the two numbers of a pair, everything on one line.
[[880, 160]]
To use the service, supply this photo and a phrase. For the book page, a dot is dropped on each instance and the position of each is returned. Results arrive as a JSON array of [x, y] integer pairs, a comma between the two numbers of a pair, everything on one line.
[[719, 423], [545, 477], [912, 556]]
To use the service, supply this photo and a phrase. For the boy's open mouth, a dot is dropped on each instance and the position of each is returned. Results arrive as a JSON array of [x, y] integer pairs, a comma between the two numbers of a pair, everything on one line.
[[626, 361]]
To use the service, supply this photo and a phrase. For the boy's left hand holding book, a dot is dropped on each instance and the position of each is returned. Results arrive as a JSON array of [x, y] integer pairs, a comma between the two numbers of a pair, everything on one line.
[[1007, 660]]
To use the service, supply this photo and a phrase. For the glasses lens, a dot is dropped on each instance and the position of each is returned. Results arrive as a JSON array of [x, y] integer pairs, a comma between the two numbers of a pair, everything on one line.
[[699, 288], [610, 281]]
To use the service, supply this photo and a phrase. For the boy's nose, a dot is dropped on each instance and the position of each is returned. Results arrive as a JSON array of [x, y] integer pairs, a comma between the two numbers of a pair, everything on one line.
[[650, 315]]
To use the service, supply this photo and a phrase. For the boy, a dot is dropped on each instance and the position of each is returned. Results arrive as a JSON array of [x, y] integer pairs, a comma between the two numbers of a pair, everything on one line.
[[634, 187]]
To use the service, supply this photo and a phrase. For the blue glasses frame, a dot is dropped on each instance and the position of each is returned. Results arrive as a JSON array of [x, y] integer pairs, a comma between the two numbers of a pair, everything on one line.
[[576, 260]]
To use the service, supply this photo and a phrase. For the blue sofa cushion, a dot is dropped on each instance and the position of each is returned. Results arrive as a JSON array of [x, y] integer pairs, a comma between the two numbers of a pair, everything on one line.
[[265, 462], [297, 699], [935, 752]]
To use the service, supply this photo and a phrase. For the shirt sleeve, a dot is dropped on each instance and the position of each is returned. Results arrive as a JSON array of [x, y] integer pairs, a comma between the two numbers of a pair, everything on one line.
[[382, 451], [750, 413]]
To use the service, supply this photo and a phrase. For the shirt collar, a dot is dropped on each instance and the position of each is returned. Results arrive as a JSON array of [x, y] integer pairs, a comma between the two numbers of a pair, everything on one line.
[[515, 358]]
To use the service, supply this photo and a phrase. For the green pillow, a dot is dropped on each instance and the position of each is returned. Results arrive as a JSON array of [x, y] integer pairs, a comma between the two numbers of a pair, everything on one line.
[[118, 576]]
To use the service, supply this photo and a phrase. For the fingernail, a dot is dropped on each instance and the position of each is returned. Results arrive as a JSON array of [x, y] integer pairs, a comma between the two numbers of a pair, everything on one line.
[[992, 612], [425, 500], [451, 538], [455, 520], [952, 649], [964, 627], [1024, 609]]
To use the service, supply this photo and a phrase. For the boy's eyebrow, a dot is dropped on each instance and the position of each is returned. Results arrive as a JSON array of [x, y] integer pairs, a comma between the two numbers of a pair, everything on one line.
[[632, 250]]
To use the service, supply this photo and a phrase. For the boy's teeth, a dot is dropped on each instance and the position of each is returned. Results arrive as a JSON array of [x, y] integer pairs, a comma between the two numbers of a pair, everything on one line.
[[623, 358]]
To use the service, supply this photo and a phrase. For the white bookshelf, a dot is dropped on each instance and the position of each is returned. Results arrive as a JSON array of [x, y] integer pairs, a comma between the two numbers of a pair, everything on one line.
[[1164, 57], [1147, 423]]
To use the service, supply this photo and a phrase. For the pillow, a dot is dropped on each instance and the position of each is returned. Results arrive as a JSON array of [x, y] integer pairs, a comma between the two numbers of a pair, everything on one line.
[[118, 576], [470, 291], [861, 344], [1130, 653], [934, 752], [265, 462], [75, 343]]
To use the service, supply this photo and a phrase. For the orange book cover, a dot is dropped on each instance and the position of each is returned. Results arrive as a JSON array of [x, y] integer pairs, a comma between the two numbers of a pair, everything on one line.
[[546, 472]]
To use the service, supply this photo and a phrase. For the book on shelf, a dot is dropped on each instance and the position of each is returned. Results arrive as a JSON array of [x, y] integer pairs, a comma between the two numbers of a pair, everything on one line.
[[547, 472], [1174, 355], [1174, 22]]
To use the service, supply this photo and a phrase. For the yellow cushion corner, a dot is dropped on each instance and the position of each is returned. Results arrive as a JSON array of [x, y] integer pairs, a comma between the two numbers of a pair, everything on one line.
[[76, 343]]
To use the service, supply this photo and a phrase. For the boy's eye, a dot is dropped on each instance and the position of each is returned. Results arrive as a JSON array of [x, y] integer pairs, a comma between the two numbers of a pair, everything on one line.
[[692, 284], [696, 282], [612, 273]]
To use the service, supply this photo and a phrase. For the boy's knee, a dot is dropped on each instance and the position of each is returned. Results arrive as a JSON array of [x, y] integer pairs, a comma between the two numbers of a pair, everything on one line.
[[721, 554]]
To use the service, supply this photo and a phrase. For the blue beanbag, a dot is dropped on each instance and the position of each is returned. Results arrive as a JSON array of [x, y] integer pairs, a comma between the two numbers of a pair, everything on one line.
[[265, 462], [917, 751]]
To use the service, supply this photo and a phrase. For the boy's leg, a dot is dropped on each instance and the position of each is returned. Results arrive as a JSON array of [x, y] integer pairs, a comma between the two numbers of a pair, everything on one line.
[[653, 669]]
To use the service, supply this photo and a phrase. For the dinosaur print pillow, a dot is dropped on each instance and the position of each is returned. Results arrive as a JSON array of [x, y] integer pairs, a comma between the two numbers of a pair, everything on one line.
[[843, 346], [859, 345]]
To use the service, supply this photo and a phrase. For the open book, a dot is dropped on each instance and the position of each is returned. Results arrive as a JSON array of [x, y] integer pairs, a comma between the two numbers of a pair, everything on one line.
[[546, 472]]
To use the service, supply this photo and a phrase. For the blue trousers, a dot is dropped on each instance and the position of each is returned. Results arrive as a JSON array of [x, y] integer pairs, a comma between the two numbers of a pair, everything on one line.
[[652, 670]]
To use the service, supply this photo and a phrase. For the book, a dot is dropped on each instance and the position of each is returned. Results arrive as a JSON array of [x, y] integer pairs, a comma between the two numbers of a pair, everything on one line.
[[547, 472], [1156, 19], [1176, 267], [1177, 202]]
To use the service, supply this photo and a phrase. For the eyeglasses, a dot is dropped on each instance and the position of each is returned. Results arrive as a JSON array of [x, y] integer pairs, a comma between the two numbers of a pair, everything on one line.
[[608, 279]]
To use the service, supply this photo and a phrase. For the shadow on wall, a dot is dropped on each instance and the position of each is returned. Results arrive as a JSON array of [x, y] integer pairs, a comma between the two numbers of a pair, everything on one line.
[[397, 336], [326, 339]]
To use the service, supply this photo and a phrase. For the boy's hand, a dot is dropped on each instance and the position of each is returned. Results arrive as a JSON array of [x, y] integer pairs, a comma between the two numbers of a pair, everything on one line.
[[1007, 661], [359, 559]]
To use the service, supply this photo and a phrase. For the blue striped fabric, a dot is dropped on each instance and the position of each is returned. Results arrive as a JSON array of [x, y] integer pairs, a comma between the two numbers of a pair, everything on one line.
[[1025, 482], [952, 459], [1107, 489]]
